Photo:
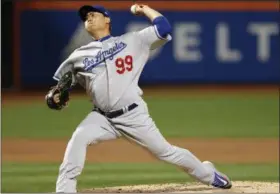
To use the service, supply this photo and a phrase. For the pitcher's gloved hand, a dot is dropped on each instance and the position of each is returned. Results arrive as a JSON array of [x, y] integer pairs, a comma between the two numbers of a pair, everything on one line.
[[57, 99], [58, 96]]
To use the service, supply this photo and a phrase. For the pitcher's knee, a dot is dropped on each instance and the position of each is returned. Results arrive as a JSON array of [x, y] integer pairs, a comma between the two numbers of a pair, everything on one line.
[[165, 153], [78, 138], [81, 137]]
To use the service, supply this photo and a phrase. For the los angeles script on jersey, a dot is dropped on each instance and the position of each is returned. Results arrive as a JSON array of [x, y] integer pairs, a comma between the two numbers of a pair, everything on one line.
[[102, 55]]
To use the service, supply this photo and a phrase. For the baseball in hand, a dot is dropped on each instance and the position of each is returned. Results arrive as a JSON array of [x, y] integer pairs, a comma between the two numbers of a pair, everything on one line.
[[133, 9]]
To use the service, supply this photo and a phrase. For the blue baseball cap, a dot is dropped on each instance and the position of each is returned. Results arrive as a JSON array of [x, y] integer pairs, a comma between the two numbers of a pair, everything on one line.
[[84, 10]]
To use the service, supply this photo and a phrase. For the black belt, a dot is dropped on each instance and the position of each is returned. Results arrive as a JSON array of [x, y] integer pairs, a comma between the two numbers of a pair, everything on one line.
[[116, 113]]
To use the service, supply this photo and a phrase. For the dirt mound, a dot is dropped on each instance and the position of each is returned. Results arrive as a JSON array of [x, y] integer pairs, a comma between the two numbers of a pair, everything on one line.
[[238, 187]]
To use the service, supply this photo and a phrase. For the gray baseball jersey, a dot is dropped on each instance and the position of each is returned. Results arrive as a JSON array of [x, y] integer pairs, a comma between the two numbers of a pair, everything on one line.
[[109, 70]]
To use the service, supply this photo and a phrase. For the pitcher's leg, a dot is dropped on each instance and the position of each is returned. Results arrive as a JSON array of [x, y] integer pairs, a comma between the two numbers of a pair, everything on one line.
[[139, 126], [93, 129], [187, 161], [183, 158]]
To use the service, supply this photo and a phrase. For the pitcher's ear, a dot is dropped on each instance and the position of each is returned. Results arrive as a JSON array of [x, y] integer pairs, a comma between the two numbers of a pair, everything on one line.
[[108, 20]]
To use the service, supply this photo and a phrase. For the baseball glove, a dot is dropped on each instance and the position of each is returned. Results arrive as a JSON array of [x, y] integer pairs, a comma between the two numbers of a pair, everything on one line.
[[58, 96]]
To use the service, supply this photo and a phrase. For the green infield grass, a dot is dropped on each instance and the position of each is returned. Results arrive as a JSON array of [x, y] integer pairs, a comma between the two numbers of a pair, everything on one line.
[[18, 177], [194, 115]]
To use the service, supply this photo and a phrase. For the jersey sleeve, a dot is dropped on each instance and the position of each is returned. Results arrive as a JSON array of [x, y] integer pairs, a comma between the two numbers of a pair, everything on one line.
[[65, 67], [157, 34], [62, 69]]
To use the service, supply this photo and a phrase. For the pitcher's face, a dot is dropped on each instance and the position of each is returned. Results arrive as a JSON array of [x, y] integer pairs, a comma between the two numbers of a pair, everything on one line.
[[96, 21]]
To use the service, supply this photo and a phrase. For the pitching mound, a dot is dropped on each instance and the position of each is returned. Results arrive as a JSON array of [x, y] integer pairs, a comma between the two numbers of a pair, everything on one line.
[[238, 187]]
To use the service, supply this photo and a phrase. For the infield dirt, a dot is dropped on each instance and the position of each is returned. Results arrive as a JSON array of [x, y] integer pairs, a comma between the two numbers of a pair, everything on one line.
[[226, 150]]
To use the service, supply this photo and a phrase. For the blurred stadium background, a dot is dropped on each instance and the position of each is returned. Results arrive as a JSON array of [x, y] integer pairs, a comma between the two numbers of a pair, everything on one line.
[[213, 90]]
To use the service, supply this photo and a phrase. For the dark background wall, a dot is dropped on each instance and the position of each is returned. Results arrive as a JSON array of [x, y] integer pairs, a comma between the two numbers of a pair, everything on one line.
[[6, 43], [42, 37]]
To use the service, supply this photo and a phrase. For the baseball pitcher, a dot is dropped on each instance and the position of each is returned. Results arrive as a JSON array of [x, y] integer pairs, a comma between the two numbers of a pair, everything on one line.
[[109, 68]]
